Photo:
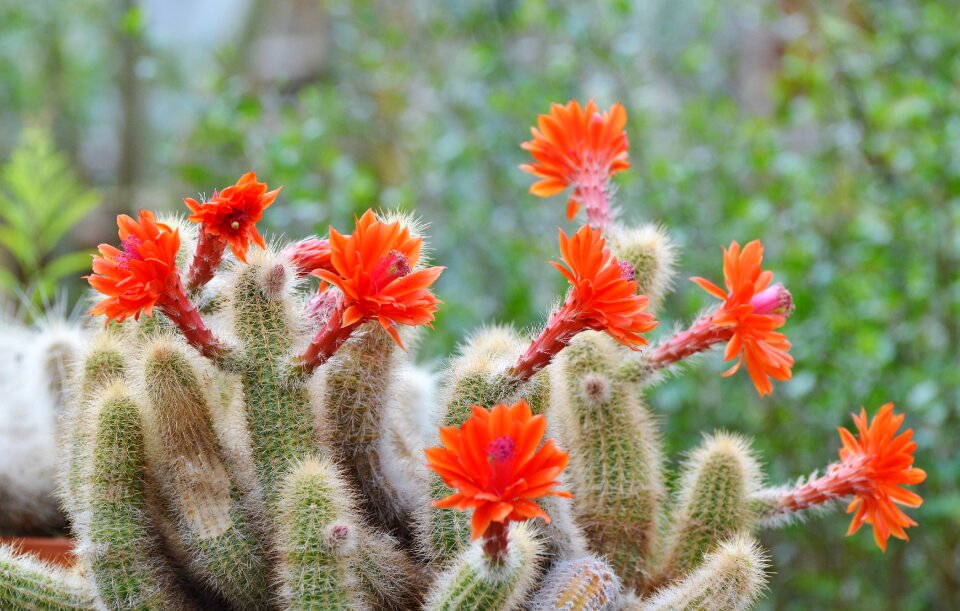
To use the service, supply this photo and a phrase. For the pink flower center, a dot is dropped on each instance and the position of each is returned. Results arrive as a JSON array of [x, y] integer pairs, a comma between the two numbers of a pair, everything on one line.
[[391, 266], [130, 246], [775, 299], [501, 449], [627, 272]]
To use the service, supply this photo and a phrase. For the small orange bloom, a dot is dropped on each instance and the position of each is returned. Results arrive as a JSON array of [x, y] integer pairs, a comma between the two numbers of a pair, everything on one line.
[[138, 274], [603, 297], [604, 291], [232, 214], [581, 147], [874, 466], [310, 255], [374, 268], [752, 310], [494, 464], [884, 462]]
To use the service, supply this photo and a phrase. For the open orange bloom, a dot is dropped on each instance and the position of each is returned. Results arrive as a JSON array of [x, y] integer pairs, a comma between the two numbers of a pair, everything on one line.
[[602, 297], [874, 466], [140, 273], [884, 461], [374, 268], [752, 310], [232, 214], [494, 464], [580, 147]]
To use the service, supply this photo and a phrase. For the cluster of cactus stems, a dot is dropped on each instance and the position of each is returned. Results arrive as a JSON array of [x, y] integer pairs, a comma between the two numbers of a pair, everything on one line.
[[241, 438]]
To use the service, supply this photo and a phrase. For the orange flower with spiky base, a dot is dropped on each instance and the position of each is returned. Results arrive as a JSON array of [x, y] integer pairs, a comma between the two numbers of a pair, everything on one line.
[[748, 319], [498, 468], [874, 466], [374, 268], [583, 148], [229, 218], [142, 274], [603, 297]]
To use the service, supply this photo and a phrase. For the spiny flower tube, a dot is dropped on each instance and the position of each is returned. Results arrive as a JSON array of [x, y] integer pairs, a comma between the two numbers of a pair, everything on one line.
[[579, 147], [310, 255], [751, 312], [603, 297], [141, 274], [374, 269], [874, 466], [229, 217], [498, 468]]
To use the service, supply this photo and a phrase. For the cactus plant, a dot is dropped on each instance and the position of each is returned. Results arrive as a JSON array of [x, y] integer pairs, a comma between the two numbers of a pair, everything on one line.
[[243, 438]]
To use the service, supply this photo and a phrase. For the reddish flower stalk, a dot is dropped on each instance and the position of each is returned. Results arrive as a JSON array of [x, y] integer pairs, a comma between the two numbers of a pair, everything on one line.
[[206, 260], [182, 312], [603, 297], [873, 467], [142, 274], [706, 333], [583, 148], [374, 268]]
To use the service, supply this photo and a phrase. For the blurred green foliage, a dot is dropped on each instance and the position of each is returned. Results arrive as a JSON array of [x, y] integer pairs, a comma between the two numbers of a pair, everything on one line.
[[831, 131], [40, 201]]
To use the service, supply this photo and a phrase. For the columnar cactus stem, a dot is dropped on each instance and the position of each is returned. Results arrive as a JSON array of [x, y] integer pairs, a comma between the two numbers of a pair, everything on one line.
[[318, 541], [120, 545], [277, 407], [185, 457], [616, 460], [652, 256], [479, 582], [731, 578], [103, 365], [357, 384], [28, 583], [714, 501]]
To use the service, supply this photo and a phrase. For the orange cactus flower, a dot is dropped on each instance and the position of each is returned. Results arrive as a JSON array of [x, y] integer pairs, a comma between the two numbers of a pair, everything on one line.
[[498, 468], [603, 297], [751, 312], [137, 275], [580, 147], [374, 268], [231, 215], [142, 274], [874, 466]]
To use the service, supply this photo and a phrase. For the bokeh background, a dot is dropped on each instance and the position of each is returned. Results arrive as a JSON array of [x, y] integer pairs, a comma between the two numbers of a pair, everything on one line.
[[829, 130]]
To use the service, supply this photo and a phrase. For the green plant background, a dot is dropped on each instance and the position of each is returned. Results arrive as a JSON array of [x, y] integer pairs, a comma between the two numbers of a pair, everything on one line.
[[831, 131]]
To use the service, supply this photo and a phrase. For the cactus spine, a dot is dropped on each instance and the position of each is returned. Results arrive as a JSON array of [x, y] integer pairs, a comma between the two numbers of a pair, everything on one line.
[[28, 583], [317, 541], [582, 584], [223, 550], [120, 542], [731, 578], [714, 500]]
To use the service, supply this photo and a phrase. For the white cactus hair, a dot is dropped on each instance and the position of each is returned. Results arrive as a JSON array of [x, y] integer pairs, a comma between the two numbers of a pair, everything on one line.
[[35, 362]]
